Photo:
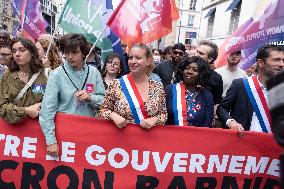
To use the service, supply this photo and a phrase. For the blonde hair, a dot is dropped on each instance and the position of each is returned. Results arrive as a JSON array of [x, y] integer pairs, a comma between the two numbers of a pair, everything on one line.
[[148, 54]]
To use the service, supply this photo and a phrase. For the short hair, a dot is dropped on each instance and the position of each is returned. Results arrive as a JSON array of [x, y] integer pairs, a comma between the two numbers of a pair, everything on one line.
[[203, 69], [167, 50], [110, 58], [5, 33], [213, 53], [53, 55], [148, 54], [264, 52], [159, 50], [179, 46], [36, 65], [6, 45], [71, 41]]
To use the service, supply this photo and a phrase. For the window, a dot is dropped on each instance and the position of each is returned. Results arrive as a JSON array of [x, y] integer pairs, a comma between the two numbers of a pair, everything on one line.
[[190, 20], [235, 15], [210, 25], [192, 5], [188, 41]]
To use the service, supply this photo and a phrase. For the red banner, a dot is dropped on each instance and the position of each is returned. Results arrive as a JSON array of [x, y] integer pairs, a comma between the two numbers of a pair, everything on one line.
[[96, 154]]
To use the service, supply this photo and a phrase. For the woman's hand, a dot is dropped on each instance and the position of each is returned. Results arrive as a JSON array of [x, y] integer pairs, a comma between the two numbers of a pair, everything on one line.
[[82, 96], [149, 122], [33, 110], [53, 150], [118, 120], [45, 61]]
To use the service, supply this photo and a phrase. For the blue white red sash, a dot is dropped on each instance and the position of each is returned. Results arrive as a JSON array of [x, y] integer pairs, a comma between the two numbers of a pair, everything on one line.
[[258, 102], [133, 98], [179, 104]]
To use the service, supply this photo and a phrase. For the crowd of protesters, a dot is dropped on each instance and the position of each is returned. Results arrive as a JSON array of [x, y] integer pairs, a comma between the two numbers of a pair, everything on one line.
[[174, 87]]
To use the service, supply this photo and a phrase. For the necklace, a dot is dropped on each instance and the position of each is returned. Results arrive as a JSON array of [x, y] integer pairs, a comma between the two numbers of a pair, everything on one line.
[[23, 74]]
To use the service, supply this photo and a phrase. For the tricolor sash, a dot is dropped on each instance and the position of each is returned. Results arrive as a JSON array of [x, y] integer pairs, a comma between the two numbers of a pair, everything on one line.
[[179, 104], [133, 98], [258, 102]]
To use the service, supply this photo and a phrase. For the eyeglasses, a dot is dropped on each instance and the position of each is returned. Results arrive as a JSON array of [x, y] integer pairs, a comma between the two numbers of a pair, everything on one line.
[[180, 53], [4, 55]]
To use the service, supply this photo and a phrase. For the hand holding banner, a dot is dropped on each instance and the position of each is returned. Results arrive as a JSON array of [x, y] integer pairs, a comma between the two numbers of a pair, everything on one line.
[[95, 153]]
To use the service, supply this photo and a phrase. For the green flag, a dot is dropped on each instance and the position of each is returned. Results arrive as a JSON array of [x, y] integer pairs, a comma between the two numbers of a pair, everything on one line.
[[86, 18]]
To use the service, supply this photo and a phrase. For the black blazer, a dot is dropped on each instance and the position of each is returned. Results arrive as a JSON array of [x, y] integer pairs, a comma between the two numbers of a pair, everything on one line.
[[236, 105]]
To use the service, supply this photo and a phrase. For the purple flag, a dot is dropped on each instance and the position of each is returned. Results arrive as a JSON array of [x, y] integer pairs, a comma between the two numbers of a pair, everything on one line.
[[34, 23], [268, 28]]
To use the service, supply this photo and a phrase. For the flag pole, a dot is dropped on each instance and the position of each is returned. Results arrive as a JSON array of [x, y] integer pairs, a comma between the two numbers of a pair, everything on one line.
[[56, 28], [94, 45], [23, 14], [51, 41]]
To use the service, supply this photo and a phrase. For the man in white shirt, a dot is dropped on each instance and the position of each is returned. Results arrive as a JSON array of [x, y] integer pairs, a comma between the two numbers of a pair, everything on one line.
[[231, 71], [245, 106]]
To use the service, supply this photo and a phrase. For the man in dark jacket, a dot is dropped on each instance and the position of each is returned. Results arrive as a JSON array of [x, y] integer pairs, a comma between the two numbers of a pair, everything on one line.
[[167, 70], [244, 105], [209, 52]]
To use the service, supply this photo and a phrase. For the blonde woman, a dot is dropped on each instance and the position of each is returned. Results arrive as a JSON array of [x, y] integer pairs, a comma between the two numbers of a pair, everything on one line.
[[134, 98]]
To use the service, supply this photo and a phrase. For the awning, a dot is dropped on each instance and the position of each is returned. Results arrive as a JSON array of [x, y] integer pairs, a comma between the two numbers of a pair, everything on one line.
[[233, 5], [210, 12]]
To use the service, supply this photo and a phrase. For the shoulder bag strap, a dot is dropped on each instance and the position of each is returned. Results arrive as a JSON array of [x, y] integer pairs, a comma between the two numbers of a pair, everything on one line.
[[26, 87]]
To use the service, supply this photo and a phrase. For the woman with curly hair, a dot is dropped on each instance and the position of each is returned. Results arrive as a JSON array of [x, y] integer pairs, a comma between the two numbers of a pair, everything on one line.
[[53, 60], [188, 102], [23, 85]]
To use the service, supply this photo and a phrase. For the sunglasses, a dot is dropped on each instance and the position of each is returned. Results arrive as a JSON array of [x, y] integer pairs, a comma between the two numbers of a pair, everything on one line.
[[180, 53]]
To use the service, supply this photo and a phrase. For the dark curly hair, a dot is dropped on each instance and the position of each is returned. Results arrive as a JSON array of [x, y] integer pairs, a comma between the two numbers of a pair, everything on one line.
[[71, 41], [109, 59], [203, 69], [35, 64]]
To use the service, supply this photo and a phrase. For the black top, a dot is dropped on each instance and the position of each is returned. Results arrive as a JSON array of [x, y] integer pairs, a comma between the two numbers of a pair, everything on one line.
[[165, 71], [215, 86], [236, 105]]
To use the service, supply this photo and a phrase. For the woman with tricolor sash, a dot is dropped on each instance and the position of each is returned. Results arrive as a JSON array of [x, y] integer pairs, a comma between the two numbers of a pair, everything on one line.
[[134, 98], [188, 102]]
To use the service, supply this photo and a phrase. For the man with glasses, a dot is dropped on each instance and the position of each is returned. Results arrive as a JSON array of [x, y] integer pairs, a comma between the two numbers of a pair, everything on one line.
[[244, 107], [167, 70], [5, 58]]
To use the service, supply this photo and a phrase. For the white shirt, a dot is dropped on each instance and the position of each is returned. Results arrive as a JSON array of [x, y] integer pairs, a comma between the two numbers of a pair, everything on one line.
[[228, 76], [255, 125]]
